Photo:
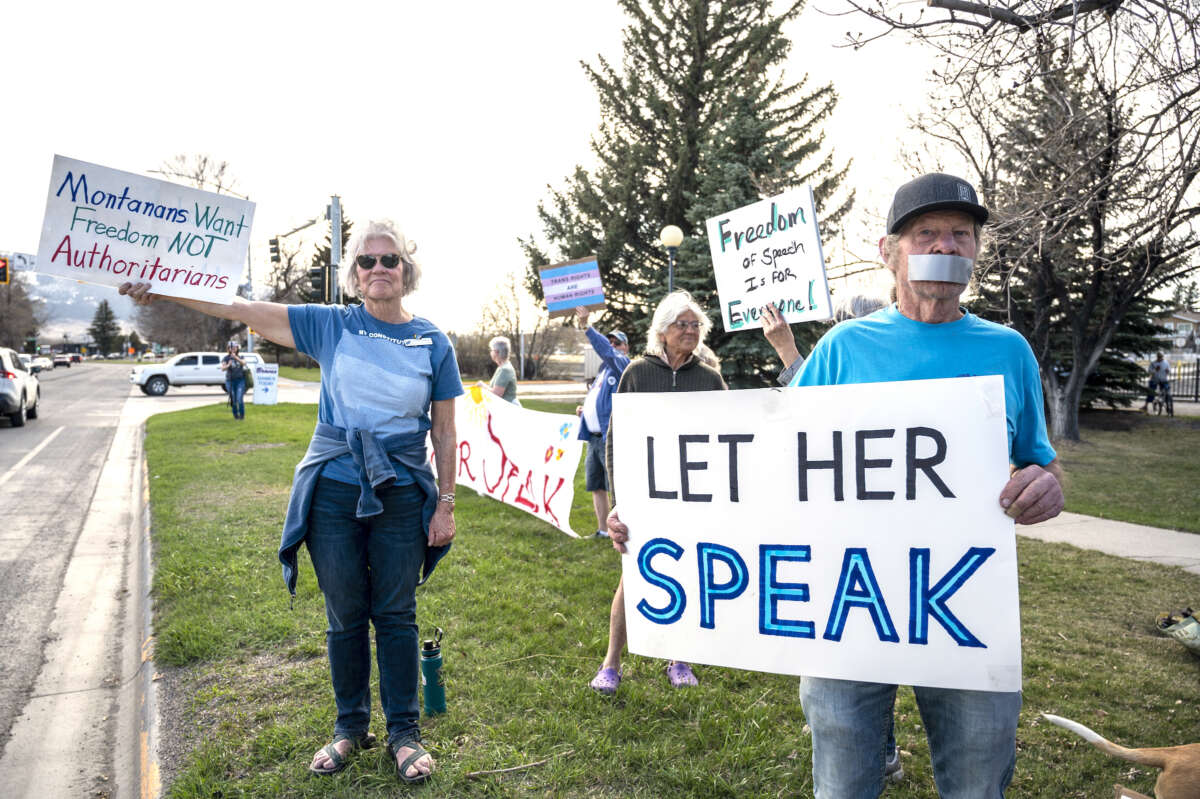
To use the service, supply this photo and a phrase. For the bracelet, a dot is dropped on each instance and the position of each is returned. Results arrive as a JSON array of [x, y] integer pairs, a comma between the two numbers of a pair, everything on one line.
[[447, 498]]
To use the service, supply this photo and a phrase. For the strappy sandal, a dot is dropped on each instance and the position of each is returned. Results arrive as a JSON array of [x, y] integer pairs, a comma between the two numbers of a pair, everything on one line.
[[402, 767], [338, 760]]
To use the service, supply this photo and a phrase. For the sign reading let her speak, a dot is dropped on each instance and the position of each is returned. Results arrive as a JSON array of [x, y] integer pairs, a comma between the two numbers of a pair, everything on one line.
[[851, 532], [111, 227], [769, 253]]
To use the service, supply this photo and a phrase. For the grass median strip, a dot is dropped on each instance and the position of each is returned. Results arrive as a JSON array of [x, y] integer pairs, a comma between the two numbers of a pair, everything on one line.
[[525, 609]]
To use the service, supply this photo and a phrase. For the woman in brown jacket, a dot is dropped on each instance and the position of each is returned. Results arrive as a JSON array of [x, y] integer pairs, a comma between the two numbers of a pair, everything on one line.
[[675, 360]]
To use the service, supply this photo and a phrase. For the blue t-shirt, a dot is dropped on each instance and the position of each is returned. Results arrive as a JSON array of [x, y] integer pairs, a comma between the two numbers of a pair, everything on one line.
[[375, 376], [887, 346]]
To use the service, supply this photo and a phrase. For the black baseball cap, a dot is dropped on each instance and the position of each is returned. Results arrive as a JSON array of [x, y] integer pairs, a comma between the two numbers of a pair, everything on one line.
[[933, 192]]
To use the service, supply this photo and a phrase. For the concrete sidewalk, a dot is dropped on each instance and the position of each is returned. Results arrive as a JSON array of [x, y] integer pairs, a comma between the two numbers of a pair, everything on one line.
[[1134, 541]]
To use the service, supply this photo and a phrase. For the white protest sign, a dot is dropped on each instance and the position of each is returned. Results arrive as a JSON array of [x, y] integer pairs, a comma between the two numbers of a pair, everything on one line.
[[110, 227], [770, 252], [266, 384], [523, 458], [851, 532]]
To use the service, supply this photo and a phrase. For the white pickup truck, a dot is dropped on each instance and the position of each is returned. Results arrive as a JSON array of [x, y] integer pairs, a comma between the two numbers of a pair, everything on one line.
[[186, 369]]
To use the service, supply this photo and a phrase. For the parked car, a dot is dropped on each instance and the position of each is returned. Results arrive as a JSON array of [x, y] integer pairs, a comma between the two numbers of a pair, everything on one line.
[[186, 369], [20, 392], [62, 359]]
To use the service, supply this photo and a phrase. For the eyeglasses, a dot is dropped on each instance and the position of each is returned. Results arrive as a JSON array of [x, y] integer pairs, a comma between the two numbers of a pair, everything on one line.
[[389, 261], [680, 324]]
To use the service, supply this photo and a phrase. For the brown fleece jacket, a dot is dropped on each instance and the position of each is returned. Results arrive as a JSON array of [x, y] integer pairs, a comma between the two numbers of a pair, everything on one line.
[[651, 373]]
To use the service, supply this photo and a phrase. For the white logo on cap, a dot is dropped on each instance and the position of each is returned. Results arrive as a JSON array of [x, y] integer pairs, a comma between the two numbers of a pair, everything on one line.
[[964, 192]]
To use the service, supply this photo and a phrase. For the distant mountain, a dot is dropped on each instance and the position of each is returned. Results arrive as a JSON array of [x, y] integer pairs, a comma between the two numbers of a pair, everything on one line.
[[71, 305]]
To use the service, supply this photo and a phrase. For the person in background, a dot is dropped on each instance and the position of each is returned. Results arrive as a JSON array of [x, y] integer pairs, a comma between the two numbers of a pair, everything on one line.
[[235, 380], [1160, 375], [364, 499], [675, 361], [504, 379], [779, 334], [594, 413]]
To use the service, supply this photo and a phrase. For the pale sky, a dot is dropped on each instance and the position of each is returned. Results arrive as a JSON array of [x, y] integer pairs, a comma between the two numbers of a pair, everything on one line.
[[449, 118]]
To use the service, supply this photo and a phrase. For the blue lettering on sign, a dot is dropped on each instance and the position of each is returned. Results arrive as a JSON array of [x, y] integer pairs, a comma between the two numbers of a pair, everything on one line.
[[710, 589], [671, 613], [857, 587], [771, 592], [926, 601]]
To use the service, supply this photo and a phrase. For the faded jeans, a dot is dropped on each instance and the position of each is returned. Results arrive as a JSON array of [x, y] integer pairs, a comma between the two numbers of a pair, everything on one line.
[[237, 394], [972, 737], [368, 571]]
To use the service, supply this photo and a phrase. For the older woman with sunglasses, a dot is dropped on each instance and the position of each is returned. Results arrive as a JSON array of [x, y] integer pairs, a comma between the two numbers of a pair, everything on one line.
[[364, 500], [675, 360]]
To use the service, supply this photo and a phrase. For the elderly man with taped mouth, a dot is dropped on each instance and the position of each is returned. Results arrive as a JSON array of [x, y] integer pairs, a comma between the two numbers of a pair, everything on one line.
[[933, 238]]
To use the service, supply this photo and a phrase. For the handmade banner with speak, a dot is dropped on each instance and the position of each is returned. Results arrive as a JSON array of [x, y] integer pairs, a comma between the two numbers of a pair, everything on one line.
[[770, 252], [570, 284], [523, 458], [111, 227], [851, 532]]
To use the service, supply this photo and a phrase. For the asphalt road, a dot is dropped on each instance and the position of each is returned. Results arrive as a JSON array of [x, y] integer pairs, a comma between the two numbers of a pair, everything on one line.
[[77, 708], [48, 474]]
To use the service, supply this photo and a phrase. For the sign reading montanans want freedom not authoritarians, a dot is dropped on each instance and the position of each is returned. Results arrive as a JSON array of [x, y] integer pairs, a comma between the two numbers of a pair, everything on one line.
[[110, 227]]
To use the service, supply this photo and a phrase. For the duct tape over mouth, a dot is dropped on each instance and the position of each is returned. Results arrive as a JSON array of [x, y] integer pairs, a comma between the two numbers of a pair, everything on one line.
[[947, 268]]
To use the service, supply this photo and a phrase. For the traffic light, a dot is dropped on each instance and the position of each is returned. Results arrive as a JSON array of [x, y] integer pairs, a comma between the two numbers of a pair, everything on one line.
[[316, 279], [3, 271], [274, 245]]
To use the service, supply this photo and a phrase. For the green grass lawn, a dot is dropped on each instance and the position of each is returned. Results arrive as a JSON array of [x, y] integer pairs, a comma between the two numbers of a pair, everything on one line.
[[310, 373], [525, 611], [1135, 468]]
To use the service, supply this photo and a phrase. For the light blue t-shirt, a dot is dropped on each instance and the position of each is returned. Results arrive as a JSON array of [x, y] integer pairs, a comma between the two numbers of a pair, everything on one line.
[[375, 376], [887, 346]]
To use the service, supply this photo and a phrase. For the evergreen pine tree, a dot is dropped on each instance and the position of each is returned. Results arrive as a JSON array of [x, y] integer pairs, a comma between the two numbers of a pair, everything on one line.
[[104, 330], [696, 122]]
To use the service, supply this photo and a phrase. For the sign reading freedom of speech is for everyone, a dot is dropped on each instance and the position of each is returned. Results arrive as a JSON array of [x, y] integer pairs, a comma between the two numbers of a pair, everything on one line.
[[851, 532], [570, 284], [111, 227], [770, 253], [523, 458]]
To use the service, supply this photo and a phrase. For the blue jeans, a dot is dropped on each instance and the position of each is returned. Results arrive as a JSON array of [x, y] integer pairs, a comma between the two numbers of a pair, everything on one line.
[[972, 738], [237, 391], [368, 570]]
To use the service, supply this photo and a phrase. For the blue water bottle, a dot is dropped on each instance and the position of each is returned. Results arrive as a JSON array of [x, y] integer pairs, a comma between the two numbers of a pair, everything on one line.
[[431, 674]]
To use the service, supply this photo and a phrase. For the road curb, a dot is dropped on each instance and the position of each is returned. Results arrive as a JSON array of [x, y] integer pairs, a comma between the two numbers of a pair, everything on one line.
[[136, 757]]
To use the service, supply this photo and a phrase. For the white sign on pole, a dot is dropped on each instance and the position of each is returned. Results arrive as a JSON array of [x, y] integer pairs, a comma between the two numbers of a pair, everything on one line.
[[523, 458], [266, 383], [770, 253], [22, 262], [851, 532], [110, 227]]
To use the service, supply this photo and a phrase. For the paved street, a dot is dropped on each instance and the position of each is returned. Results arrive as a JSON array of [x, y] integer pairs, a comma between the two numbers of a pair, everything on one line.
[[48, 474], [74, 719]]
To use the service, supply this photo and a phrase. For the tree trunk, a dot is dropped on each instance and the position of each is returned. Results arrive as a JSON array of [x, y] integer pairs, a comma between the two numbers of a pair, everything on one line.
[[1062, 406]]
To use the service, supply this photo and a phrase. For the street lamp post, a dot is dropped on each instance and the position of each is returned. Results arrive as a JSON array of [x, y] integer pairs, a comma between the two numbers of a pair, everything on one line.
[[671, 237]]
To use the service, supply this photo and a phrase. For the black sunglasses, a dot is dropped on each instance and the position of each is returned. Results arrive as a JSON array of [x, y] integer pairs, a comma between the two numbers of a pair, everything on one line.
[[389, 261]]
